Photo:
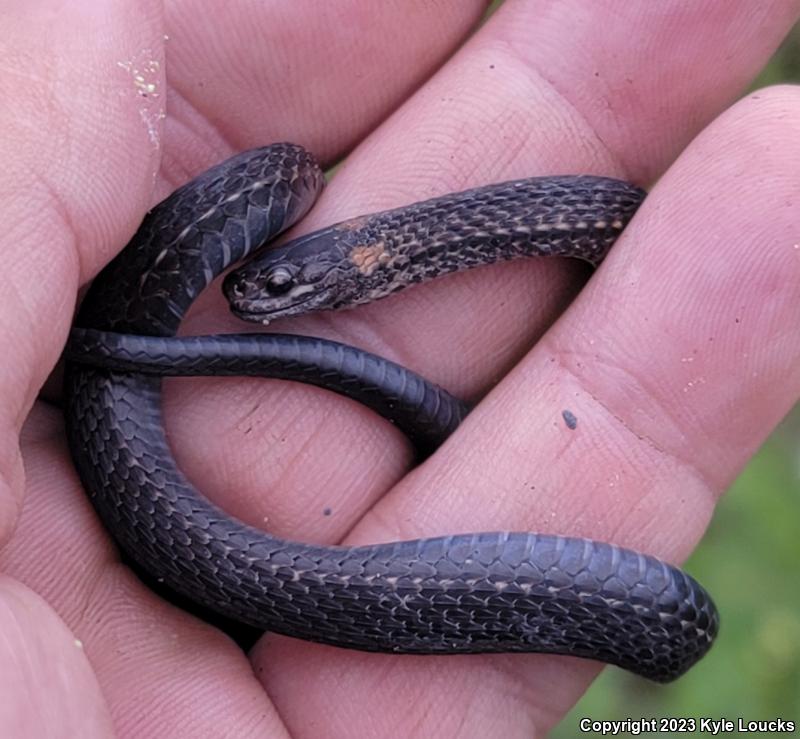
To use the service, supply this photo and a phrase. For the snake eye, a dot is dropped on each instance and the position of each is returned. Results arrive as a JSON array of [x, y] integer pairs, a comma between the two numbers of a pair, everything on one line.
[[279, 281]]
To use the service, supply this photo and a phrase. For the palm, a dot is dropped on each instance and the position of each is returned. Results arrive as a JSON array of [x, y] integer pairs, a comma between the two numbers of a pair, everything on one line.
[[665, 357]]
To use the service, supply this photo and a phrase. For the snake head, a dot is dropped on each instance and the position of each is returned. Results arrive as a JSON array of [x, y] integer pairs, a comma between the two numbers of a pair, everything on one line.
[[307, 274]]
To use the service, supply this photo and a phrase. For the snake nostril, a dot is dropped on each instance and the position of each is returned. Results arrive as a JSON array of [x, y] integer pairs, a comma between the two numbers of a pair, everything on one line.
[[235, 287]]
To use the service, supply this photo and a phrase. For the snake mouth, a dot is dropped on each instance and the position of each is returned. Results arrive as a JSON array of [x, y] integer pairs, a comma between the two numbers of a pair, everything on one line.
[[251, 316], [266, 310]]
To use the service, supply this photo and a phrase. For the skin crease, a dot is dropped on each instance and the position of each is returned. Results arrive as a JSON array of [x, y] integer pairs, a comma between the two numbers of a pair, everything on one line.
[[680, 355]]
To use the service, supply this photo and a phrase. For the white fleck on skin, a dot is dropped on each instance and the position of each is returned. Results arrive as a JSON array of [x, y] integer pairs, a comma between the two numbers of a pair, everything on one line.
[[145, 73], [693, 384]]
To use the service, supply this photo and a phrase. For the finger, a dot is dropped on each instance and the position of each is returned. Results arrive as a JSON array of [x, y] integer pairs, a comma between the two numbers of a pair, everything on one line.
[[47, 684], [284, 456], [80, 115], [319, 74], [162, 672], [677, 360]]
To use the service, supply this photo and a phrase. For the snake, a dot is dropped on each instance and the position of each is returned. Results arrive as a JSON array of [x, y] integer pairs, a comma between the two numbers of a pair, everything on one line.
[[509, 591]]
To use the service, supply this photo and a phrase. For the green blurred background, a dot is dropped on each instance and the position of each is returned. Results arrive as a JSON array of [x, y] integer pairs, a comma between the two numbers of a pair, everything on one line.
[[750, 561]]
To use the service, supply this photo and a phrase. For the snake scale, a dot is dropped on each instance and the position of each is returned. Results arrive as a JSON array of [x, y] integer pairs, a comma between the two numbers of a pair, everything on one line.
[[467, 593]]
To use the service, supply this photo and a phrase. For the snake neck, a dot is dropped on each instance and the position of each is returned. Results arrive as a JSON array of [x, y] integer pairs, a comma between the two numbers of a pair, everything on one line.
[[196, 233], [567, 217]]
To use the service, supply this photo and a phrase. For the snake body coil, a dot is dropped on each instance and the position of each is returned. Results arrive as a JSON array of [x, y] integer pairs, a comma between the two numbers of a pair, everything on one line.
[[488, 592]]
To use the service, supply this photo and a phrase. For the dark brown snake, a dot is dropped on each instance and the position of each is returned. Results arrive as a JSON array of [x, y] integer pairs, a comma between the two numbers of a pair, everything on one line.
[[487, 592]]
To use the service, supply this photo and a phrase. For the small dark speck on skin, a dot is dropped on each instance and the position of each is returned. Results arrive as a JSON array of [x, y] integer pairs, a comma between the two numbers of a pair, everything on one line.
[[327, 511], [570, 419]]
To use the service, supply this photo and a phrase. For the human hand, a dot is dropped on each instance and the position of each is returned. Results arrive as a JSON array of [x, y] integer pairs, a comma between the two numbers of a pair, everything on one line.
[[678, 358]]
